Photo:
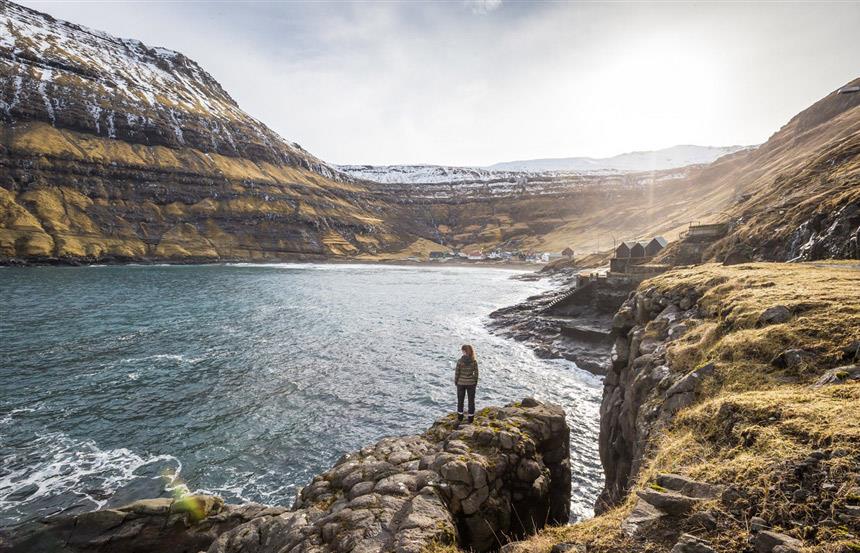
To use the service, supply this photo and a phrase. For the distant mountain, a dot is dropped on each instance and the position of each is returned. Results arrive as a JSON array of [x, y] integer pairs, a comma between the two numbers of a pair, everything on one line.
[[658, 160], [794, 197], [633, 162], [112, 149], [424, 174]]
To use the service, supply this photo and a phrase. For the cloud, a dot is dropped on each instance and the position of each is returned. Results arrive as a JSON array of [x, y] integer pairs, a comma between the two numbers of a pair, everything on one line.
[[417, 82], [482, 7]]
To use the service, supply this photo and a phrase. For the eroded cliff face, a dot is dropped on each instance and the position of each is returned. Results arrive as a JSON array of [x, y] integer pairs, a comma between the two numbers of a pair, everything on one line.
[[546, 212], [728, 419], [505, 476], [640, 388], [112, 150]]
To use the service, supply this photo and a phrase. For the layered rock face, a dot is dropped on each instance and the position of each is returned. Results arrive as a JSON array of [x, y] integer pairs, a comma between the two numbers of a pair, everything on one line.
[[544, 212], [114, 150], [505, 476], [640, 389], [573, 323]]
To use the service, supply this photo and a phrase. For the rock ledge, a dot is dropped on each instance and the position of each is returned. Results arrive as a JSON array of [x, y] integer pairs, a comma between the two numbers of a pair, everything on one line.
[[501, 478]]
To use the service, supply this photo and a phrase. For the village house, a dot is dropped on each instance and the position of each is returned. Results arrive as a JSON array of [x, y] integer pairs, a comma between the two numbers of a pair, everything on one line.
[[635, 253], [655, 246]]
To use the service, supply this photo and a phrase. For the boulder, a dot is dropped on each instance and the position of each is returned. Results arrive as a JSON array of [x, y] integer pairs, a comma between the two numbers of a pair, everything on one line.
[[774, 315], [689, 543], [568, 547], [757, 524], [669, 502], [839, 375], [792, 359], [641, 518], [682, 393], [766, 541], [690, 381], [689, 487], [704, 520]]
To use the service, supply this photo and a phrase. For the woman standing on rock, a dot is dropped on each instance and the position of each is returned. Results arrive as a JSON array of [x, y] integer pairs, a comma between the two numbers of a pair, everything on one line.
[[466, 380]]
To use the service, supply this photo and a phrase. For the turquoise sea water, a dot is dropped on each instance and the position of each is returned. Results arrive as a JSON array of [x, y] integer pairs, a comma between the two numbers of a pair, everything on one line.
[[118, 383]]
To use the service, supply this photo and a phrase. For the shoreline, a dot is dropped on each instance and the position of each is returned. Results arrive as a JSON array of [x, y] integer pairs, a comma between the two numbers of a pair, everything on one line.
[[482, 320], [523, 267]]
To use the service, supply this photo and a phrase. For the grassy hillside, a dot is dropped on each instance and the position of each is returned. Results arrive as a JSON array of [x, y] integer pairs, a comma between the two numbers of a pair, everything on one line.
[[77, 196], [802, 184], [785, 449]]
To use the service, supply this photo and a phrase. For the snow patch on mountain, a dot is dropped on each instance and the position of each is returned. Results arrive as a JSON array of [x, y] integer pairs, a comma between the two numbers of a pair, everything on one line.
[[425, 174], [522, 171]]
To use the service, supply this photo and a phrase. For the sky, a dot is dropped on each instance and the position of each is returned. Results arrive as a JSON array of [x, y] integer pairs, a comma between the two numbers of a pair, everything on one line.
[[468, 82]]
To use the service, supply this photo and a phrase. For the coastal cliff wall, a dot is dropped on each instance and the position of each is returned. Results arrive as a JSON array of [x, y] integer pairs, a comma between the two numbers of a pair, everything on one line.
[[729, 419], [503, 477]]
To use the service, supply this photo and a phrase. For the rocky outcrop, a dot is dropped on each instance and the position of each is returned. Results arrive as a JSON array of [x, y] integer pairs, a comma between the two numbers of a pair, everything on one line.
[[479, 485], [641, 390], [573, 323], [189, 524], [671, 497]]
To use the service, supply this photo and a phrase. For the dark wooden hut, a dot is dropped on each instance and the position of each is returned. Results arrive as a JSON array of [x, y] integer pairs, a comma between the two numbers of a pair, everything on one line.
[[623, 250], [654, 247]]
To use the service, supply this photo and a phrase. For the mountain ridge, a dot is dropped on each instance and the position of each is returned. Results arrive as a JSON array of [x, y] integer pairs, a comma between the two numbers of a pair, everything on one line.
[[632, 162], [673, 157], [114, 151]]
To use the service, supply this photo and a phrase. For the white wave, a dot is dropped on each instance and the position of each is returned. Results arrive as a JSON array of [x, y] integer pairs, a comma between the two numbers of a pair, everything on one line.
[[56, 464], [11, 414], [377, 267], [179, 358]]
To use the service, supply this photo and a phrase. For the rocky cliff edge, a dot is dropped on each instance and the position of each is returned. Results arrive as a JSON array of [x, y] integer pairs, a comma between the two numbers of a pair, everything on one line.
[[730, 419], [477, 486]]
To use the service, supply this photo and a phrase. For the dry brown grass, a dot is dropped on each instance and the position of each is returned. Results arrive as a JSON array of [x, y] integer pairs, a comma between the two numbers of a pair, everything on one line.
[[756, 422], [823, 299]]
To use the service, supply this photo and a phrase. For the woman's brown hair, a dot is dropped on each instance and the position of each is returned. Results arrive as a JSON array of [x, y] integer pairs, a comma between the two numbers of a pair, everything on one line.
[[470, 351]]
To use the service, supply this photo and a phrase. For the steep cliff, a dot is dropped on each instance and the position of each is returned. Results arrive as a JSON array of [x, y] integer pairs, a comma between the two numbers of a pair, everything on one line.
[[795, 197], [111, 149], [729, 419], [505, 476]]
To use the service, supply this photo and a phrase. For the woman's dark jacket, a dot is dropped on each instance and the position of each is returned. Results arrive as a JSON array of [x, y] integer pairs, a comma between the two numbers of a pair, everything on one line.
[[466, 373]]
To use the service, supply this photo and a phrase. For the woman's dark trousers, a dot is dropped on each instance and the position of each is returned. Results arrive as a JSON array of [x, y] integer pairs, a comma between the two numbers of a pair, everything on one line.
[[462, 390]]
